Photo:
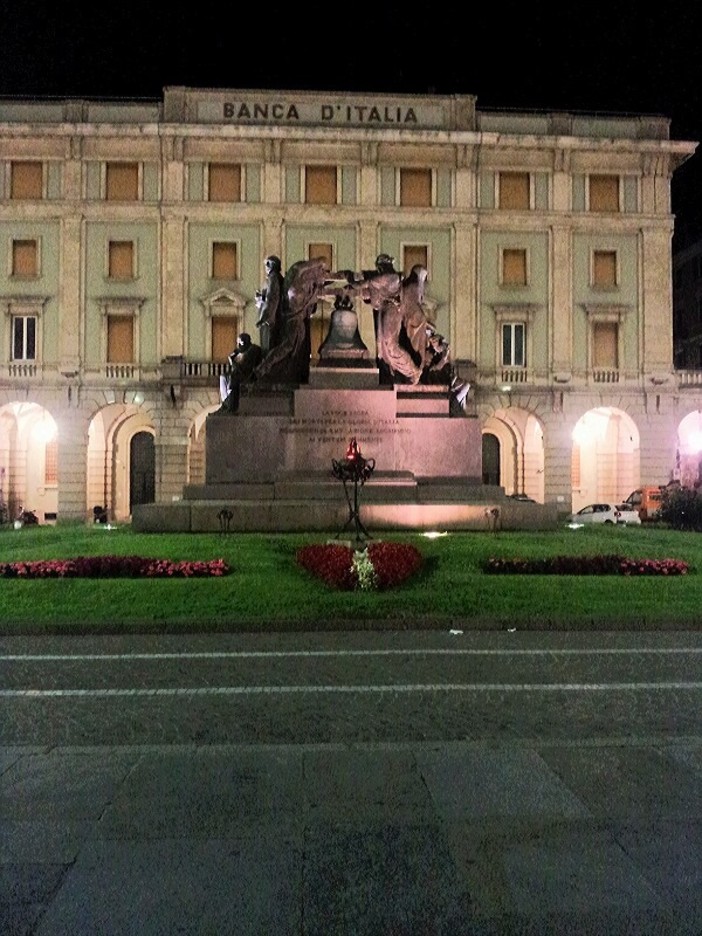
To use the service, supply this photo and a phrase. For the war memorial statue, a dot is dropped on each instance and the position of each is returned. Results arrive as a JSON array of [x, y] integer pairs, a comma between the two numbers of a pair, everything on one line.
[[408, 349], [272, 449]]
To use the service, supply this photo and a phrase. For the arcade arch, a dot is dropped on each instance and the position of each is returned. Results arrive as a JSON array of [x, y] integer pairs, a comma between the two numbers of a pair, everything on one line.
[[28, 461], [514, 439], [110, 448], [688, 456], [605, 460]]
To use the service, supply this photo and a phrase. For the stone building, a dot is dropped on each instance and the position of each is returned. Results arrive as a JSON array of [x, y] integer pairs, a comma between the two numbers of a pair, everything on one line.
[[133, 236]]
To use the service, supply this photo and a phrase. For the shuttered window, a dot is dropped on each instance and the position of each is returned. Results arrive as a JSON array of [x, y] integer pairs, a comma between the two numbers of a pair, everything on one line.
[[514, 190], [120, 339], [514, 267], [604, 268], [25, 258], [122, 182], [415, 188], [604, 193], [224, 335], [415, 255], [224, 182], [121, 260], [320, 185], [315, 251], [604, 344], [224, 260], [26, 180]]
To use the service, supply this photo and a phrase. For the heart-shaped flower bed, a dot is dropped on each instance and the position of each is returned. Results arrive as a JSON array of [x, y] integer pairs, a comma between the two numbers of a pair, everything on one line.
[[377, 566]]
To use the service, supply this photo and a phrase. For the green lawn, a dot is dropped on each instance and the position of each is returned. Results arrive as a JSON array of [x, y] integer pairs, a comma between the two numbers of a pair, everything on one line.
[[267, 591]]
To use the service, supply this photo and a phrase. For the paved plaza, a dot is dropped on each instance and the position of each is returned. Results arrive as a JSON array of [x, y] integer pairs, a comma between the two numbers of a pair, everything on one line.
[[522, 826]]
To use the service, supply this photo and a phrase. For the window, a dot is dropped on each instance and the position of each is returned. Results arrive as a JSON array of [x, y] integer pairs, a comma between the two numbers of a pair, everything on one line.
[[314, 251], [575, 467], [604, 193], [122, 182], [225, 331], [513, 344], [120, 263], [513, 190], [605, 337], [415, 255], [514, 267], [25, 258], [415, 188], [51, 462], [224, 182], [224, 261], [24, 337], [120, 339], [320, 185], [26, 180], [604, 269]]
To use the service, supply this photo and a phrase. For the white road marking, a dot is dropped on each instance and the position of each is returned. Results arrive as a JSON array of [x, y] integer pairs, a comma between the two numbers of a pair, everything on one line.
[[289, 690], [282, 654]]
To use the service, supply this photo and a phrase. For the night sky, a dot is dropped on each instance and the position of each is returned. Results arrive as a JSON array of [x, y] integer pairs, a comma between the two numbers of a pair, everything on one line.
[[615, 57]]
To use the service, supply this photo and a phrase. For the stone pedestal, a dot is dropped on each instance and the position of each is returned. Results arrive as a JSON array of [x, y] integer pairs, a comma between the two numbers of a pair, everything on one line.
[[268, 467], [301, 431]]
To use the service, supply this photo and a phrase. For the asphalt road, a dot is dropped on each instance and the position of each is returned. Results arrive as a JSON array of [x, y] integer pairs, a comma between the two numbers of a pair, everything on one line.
[[379, 783]]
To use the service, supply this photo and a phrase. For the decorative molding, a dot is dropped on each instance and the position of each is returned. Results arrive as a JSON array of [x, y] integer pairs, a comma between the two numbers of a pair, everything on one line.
[[606, 312], [515, 311], [224, 301]]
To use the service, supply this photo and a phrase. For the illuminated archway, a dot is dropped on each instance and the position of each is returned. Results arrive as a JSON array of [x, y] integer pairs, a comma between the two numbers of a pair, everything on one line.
[[688, 461], [605, 464], [109, 440], [28, 461], [521, 451]]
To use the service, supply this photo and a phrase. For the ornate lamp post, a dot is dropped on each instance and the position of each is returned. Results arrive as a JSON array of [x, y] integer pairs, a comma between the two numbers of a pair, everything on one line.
[[354, 470]]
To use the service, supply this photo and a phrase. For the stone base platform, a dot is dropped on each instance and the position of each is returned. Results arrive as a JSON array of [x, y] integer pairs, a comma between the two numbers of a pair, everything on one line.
[[268, 467], [317, 503]]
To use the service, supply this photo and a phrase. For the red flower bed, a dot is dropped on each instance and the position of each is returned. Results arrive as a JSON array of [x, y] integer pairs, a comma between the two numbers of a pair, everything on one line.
[[393, 563], [586, 565], [112, 567]]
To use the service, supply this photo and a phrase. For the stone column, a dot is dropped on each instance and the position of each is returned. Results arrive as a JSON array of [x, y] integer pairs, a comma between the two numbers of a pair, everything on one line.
[[173, 339], [561, 303], [463, 316], [70, 295], [558, 451], [656, 302], [72, 464], [171, 455]]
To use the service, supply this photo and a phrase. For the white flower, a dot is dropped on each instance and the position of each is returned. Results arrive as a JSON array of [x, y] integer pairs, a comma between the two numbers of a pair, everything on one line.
[[363, 567]]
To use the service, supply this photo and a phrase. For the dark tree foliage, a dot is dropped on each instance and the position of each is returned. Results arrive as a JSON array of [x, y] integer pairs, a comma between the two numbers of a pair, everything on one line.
[[681, 508]]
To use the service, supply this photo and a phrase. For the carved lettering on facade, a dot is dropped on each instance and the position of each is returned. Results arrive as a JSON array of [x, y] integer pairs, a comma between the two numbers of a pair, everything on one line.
[[276, 112], [258, 111]]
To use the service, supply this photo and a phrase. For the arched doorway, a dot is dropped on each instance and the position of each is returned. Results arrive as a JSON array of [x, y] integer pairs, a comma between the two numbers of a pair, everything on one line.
[[491, 459], [513, 452], [142, 469]]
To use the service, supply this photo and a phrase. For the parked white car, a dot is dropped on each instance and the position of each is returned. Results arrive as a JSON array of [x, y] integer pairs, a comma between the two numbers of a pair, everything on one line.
[[607, 513]]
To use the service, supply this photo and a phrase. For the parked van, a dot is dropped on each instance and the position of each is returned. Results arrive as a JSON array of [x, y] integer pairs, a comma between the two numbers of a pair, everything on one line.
[[647, 500]]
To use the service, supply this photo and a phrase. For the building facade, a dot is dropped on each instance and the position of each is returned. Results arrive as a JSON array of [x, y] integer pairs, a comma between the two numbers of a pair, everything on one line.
[[133, 237]]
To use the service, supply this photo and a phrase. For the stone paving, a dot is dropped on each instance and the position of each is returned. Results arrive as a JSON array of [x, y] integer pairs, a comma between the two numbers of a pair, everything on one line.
[[413, 839]]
